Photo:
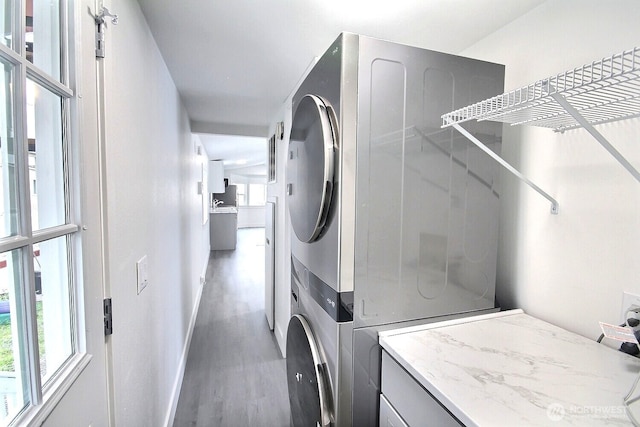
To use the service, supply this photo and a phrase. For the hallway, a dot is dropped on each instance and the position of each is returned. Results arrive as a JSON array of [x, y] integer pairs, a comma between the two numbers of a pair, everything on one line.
[[235, 375]]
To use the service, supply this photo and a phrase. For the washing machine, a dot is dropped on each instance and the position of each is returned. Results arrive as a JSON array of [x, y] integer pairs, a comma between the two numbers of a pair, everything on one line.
[[318, 352], [395, 220]]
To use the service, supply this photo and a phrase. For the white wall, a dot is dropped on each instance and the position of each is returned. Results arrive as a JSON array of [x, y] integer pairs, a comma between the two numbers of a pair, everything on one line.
[[276, 193], [154, 209], [251, 216], [569, 269]]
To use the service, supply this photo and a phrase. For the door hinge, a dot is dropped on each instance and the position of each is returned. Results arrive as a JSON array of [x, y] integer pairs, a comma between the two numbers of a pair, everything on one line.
[[108, 319], [101, 25]]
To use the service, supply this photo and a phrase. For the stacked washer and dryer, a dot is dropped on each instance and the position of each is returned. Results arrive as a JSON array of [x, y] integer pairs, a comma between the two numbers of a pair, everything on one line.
[[395, 220]]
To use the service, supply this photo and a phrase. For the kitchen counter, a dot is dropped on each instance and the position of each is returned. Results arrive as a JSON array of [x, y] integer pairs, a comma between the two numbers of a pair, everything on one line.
[[223, 228], [510, 368], [224, 210]]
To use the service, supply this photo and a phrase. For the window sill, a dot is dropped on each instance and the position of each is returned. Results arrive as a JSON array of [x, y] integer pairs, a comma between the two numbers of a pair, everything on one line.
[[55, 390]]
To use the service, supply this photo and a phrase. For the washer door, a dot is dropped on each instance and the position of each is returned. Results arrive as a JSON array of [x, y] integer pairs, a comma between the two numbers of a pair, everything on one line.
[[307, 377], [310, 166]]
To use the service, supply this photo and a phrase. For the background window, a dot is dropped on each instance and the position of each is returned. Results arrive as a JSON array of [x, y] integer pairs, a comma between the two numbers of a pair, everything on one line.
[[257, 194], [251, 194], [241, 194]]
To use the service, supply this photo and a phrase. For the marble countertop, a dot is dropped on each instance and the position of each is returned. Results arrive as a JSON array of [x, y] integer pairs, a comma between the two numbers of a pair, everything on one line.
[[225, 209], [511, 369]]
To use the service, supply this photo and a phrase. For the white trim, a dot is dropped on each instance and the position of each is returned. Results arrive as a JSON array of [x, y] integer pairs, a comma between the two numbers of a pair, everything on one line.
[[14, 242], [54, 86], [9, 55], [36, 415], [54, 232], [35, 73], [177, 384], [450, 322]]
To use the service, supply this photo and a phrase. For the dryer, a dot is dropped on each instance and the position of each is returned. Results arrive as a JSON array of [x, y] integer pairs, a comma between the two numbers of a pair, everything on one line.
[[395, 220]]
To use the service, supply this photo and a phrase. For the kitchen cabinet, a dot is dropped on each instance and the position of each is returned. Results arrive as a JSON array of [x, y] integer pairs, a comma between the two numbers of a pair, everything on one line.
[[216, 176], [223, 229], [388, 415], [404, 399], [505, 368]]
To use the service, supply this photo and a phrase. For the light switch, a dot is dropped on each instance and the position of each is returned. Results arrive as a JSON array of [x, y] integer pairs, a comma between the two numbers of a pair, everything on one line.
[[142, 271]]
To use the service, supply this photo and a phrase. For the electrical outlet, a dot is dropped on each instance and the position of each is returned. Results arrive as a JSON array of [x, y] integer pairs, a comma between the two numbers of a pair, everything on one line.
[[142, 272], [628, 300]]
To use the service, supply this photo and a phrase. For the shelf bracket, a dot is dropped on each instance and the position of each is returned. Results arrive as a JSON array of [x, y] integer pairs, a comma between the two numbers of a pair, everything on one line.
[[507, 166], [561, 100]]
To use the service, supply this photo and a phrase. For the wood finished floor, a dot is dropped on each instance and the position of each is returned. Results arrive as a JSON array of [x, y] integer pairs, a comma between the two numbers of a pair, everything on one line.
[[234, 375]]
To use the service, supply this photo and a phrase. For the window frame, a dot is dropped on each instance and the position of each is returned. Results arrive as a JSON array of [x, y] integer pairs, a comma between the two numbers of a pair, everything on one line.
[[247, 194], [44, 397]]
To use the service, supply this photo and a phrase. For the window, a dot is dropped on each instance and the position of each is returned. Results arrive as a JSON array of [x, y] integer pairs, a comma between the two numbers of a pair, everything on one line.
[[257, 194], [37, 233], [241, 194], [251, 194]]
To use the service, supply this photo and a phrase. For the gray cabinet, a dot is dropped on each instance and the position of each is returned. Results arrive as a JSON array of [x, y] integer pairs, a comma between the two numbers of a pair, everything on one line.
[[223, 230], [411, 403], [216, 176], [388, 415]]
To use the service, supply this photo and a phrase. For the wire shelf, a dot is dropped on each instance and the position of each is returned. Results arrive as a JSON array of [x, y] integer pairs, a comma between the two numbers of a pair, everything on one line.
[[603, 91], [600, 92]]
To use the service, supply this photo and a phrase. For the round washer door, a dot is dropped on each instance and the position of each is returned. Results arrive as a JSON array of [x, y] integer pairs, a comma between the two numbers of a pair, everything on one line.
[[310, 166], [307, 377]]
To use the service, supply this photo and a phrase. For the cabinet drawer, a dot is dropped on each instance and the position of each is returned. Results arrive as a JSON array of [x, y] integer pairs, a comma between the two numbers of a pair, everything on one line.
[[388, 416], [414, 404]]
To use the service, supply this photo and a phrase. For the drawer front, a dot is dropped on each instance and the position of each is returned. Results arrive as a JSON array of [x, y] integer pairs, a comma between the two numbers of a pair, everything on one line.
[[388, 416], [412, 402]]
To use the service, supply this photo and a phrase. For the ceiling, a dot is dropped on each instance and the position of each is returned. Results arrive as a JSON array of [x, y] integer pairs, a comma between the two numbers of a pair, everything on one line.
[[241, 155], [236, 62]]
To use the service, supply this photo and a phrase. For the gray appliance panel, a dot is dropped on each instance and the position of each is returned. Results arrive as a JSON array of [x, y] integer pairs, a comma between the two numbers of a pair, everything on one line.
[[427, 200], [334, 341], [321, 256], [412, 225]]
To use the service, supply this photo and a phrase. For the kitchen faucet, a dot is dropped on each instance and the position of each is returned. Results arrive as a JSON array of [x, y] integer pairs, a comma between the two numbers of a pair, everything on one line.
[[217, 203]]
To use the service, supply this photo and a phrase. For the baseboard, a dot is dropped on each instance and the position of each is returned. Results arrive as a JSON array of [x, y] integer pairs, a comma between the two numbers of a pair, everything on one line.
[[203, 275], [177, 385]]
